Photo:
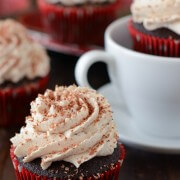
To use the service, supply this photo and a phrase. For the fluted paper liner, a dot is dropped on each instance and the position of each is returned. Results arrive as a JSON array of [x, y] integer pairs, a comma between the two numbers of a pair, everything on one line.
[[78, 24], [15, 102], [24, 174], [154, 45]]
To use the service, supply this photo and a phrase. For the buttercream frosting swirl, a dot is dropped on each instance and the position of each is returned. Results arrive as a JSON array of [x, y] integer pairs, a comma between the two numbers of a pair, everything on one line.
[[156, 14], [72, 123], [79, 2], [20, 56]]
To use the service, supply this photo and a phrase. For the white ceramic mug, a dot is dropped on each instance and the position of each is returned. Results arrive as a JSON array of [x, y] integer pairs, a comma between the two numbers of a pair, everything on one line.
[[150, 85]]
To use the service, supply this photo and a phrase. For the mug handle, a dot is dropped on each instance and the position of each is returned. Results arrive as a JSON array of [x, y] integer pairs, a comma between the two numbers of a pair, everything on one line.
[[87, 60]]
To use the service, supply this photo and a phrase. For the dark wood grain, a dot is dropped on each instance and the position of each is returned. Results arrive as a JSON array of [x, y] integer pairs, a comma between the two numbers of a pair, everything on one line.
[[8, 169], [5, 163], [138, 165], [3, 149]]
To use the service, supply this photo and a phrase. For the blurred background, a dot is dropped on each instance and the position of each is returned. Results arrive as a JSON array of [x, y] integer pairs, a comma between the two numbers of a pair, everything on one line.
[[138, 164], [63, 56], [63, 60]]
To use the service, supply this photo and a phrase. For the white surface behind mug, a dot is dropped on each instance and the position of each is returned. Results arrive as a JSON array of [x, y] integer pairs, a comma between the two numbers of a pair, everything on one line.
[[150, 85]]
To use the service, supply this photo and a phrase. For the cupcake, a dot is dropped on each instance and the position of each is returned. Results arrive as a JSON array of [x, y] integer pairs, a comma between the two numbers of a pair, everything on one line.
[[155, 27], [78, 21], [69, 135], [24, 69]]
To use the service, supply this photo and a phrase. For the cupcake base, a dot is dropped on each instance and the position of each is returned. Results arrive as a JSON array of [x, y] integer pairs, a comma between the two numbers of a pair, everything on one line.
[[78, 24], [97, 168], [164, 43], [15, 101], [160, 33]]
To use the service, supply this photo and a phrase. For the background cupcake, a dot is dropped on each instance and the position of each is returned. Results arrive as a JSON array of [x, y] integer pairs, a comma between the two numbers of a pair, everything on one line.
[[69, 135], [78, 21], [155, 27], [24, 69]]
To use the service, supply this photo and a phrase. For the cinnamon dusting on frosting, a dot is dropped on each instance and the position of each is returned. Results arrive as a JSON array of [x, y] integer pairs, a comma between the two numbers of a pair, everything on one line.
[[72, 123]]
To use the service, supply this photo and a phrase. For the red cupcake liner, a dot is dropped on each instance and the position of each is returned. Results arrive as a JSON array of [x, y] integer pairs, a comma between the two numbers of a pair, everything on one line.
[[15, 102], [80, 25], [9, 7], [153, 45], [24, 174]]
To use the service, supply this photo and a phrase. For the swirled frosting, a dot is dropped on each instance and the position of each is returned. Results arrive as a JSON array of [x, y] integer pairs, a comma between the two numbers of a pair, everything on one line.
[[78, 2], [156, 14], [20, 56], [72, 123]]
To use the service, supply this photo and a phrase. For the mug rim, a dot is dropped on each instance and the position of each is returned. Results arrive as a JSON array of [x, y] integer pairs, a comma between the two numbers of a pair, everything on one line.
[[108, 37]]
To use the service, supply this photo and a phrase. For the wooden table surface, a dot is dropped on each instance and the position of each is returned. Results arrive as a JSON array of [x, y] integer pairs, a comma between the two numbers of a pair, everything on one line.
[[138, 165]]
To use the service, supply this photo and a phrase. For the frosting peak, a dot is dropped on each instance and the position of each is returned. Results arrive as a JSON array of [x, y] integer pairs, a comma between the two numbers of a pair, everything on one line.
[[156, 14], [20, 56], [72, 123]]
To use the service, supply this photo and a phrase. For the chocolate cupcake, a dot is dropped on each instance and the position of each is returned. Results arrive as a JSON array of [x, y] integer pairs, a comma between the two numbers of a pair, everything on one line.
[[24, 69], [155, 27], [78, 22], [69, 135]]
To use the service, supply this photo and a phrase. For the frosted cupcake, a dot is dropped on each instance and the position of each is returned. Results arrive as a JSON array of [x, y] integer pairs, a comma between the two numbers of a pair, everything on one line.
[[78, 21], [69, 135], [155, 27], [24, 69]]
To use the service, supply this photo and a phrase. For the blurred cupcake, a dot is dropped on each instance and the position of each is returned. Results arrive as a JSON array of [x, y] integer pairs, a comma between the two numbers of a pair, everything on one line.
[[24, 69], [155, 27], [78, 21], [69, 135]]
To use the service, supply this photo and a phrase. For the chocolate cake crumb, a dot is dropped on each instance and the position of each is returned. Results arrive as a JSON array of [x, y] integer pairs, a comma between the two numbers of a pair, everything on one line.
[[65, 170], [161, 32], [23, 82]]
